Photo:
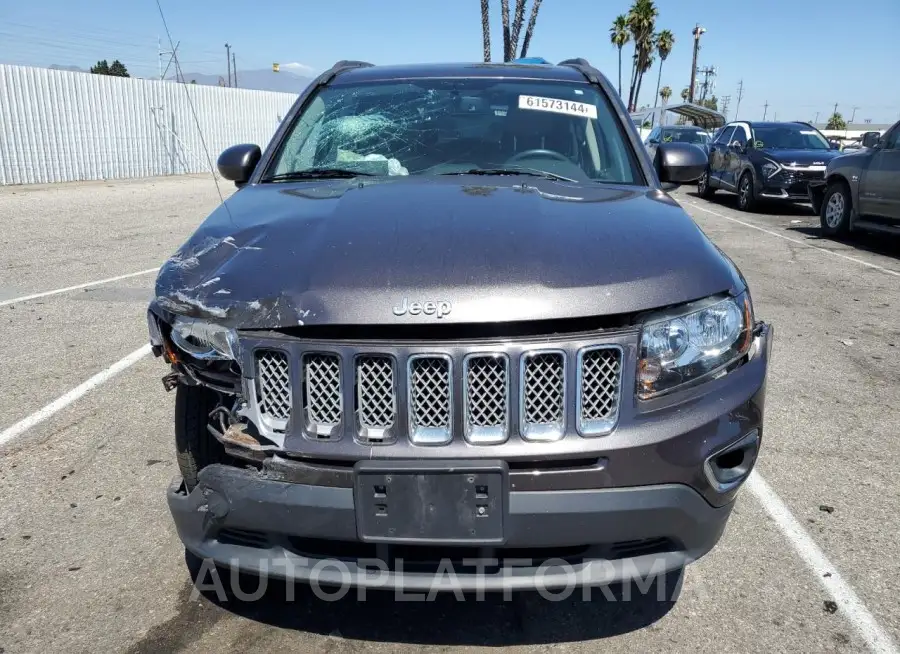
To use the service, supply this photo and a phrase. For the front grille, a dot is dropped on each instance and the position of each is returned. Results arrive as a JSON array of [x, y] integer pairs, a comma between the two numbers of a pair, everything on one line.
[[273, 388], [376, 405], [544, 396], [429, 400], [600, 373], [323, 406], [494, 395]]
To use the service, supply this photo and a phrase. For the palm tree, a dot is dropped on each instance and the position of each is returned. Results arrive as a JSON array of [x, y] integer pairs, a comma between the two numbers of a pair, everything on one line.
[[645, 66], [665, 41], [685, 92], [641, 24], [486, 29], [619, 36], [504, 14], [535, 8], [665, 93], [516, 27]]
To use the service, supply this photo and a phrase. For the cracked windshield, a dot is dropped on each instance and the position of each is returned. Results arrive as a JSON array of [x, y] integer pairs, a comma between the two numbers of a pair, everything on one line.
[[444, 127]]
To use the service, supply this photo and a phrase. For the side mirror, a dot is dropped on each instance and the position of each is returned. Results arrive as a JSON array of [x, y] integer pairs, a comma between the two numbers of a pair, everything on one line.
[[679, 163], [871, 140], [834, 145], [238, 162]]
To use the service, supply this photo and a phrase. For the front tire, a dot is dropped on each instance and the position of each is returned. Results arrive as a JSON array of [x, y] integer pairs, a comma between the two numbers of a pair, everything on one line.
[[834, 216], [196, 447], [746, 193], [704, 190]]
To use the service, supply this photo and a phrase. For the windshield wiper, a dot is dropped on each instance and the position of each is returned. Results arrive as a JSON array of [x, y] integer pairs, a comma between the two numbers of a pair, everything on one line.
[[318, 173], [534, 172]]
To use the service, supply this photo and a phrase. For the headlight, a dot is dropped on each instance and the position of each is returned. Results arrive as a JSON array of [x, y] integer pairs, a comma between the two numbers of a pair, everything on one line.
[[770, 168], [682, 347], [204, 340]]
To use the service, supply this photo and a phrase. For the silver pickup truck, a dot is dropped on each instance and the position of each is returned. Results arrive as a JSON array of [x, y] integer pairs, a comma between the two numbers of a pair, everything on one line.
[[861, 190]]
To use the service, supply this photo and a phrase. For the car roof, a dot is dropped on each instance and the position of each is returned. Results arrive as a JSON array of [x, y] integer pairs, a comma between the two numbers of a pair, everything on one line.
[[683, 128], [771, 123], [425, 71]]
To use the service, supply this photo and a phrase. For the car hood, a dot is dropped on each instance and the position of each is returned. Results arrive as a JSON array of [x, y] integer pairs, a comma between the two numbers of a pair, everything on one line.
[[347, 252], [801, 157]]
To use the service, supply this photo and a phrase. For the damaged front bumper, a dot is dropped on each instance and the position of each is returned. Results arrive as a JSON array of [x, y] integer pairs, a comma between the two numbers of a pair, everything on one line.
[[243, 521]]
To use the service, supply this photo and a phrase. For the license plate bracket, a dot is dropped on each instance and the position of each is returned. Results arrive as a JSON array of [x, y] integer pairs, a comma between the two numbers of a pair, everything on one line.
[[434, 502]]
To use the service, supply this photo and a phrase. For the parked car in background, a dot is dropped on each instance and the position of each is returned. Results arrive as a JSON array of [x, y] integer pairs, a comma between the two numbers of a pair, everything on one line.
[[677, 134], [766, 161], [861, 190]]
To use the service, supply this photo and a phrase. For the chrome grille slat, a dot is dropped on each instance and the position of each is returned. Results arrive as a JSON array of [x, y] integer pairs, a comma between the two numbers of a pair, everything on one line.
[[486, 385], [376, 398], [273, 386], [323, 402], [599, 381], [543, 402], [430, 399]]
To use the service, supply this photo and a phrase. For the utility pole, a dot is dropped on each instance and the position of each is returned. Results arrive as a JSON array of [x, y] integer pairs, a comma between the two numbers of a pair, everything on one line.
[[706, 72], [816, 121], [696, 32], [228, 61], [725, 100], [835, 109], [234, 68], [765, 109], [740, 95], [172, 54], [852, 116]]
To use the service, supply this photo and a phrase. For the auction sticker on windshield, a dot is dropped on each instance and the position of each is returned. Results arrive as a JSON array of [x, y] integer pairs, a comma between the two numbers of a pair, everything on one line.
[[557, 106]]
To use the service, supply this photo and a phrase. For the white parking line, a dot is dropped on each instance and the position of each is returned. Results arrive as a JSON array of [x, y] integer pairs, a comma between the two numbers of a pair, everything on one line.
[[57, 291], [63, 401], [794, 240], [849, 604]]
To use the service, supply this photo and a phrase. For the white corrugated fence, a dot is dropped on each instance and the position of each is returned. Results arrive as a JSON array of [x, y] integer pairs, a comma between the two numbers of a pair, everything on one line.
[[62, 126]]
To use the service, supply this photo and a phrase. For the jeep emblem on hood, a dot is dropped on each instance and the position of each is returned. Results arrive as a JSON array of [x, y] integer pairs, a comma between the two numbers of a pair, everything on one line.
[[439, 308]]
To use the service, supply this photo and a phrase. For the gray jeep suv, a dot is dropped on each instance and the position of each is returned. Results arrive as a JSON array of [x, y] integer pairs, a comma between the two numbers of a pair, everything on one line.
[[452, 318]]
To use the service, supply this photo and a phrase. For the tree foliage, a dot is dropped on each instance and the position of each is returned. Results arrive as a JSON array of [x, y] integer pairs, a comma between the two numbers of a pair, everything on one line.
[[836, 121], [115, 69], [710, 103]]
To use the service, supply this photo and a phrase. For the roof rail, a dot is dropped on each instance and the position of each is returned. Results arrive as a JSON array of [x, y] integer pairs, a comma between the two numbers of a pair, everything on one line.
[[584, 67], [341, 66]]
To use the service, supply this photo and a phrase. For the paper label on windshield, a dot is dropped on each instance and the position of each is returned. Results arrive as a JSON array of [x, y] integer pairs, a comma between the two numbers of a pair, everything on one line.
[[557, 106], [808, 132]]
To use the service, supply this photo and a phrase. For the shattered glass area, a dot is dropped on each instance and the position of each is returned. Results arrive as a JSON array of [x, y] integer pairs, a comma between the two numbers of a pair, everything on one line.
[[440, 126]]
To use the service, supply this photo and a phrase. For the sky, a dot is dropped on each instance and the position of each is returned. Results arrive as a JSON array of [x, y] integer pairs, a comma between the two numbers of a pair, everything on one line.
[[798, 57]]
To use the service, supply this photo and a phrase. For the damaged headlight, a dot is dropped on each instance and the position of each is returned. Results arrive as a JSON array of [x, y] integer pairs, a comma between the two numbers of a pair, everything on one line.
[[681, 347], [205, 340]]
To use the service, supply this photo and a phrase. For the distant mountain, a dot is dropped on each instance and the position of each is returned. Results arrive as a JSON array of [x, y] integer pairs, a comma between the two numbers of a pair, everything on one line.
[[262, 80], [74, 69]]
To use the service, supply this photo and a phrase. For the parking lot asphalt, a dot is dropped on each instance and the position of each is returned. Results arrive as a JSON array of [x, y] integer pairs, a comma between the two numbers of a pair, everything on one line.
[[89, 559]]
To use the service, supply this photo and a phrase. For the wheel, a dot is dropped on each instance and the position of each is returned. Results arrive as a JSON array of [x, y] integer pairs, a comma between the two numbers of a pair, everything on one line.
[[746, 193], [196, 447], [704, 190], [834, 215]]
